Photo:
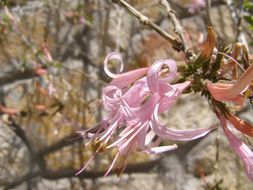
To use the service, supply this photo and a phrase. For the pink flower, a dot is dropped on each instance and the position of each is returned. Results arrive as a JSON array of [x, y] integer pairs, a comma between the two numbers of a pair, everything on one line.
[[133, 103], [241, 149], [231, 92], [234, 93]]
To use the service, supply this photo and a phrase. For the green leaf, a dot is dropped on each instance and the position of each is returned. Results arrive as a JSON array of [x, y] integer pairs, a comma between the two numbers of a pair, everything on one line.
[[249, 19], [248, 4]]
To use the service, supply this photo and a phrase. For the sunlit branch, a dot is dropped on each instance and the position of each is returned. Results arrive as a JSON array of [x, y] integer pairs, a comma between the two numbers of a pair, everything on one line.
[[176, 44]]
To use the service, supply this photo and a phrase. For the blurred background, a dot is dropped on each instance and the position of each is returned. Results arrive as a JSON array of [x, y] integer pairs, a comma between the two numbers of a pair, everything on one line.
[[51, 77]]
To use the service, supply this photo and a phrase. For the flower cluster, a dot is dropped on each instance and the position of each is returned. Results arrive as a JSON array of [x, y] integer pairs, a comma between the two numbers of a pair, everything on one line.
[[133, 102], [234, 93]]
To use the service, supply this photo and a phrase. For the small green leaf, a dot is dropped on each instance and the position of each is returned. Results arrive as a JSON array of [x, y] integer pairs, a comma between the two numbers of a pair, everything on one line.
[[248, 4], [249, 19]]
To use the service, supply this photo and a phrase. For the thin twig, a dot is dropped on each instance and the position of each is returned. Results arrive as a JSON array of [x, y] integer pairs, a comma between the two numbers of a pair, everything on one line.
[[237, 18], [208, 6], [177, 26], [176, 44]]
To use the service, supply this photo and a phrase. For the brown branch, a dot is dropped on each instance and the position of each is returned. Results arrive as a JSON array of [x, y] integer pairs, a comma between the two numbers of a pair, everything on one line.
[[66, 141], [176, 44], [33, 157], [18, 181], [66, 173], [21, 134], [131, 168], [16, 75]]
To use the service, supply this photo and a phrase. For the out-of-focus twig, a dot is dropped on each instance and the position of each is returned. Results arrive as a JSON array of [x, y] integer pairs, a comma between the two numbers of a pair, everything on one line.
[[208, 6], [237, 19]]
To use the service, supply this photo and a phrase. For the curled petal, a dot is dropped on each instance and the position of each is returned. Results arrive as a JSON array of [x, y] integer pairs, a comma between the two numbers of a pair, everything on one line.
[[171, 96], [242, 150], [154, 73], [124, 79], [112, 96], [110, 56], [175, 134]]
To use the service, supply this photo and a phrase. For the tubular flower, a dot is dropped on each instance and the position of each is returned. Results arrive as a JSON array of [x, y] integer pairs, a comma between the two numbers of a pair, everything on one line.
[[231, 92], [234, 92], [133, 101], [241, 149]]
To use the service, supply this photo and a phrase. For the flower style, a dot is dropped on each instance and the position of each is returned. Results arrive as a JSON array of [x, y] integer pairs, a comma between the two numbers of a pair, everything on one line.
[[133, 102]]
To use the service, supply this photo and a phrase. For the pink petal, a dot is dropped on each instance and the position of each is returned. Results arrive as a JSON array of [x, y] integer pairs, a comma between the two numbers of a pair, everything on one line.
[[242, 150], [154, 73], [139, 91], [170, 97], [124, 79], [223, 92], [149, 137], [112, 96], [144, 112], [127, 145], [175, 134], [160, 149], [182, 86], [125, 135], [110, 56]]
